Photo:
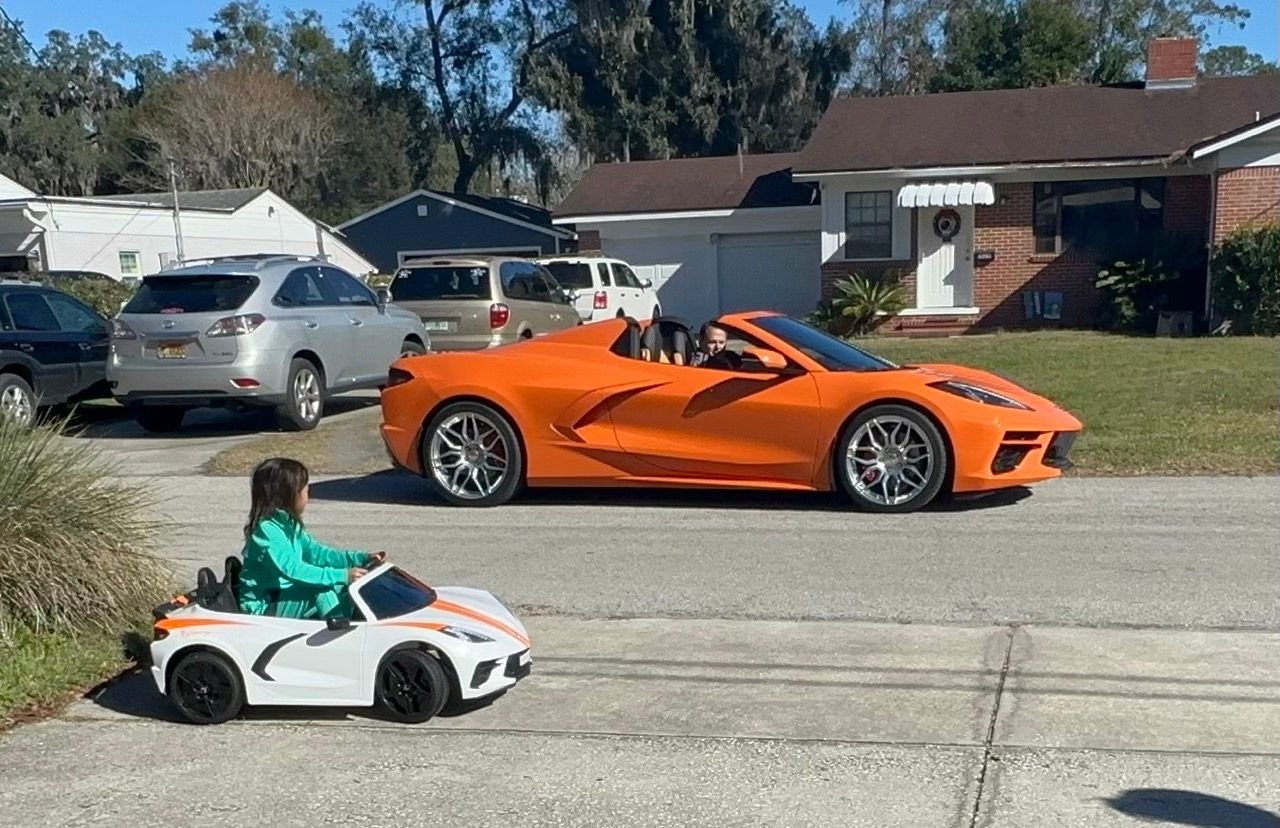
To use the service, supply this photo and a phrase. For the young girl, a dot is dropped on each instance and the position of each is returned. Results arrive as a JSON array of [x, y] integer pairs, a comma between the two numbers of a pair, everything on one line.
[[286, 572]]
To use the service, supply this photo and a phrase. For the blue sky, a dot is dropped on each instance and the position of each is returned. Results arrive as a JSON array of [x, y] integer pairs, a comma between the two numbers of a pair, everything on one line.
[[161, 25]]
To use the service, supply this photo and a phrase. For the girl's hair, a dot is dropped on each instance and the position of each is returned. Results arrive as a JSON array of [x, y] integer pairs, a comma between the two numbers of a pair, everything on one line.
[[276, 484]]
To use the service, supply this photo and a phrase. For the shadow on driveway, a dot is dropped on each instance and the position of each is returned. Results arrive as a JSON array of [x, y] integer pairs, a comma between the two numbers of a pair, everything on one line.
[[394, 487], [133, 695], [114, 422], [1177, 807]]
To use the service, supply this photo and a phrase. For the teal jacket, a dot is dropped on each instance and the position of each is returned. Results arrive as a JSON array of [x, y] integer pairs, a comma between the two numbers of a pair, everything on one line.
[[283, 563]]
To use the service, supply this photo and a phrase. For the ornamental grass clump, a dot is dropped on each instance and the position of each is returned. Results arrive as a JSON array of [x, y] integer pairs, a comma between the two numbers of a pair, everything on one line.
[[74, 538]]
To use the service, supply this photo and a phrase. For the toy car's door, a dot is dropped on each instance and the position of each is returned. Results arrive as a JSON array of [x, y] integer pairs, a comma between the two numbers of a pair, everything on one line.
[[304, 662]]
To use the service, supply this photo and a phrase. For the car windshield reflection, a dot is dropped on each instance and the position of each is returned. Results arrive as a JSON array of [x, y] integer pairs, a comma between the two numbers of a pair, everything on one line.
[[831, 352], [394, 592]]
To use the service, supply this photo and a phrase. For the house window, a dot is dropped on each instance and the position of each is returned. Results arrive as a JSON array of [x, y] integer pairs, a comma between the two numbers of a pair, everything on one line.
[[1105, 218], [868, 225], [130, 263]]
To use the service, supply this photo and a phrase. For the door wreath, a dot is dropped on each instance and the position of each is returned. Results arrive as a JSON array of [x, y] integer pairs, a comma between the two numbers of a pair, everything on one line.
[[946, 224]]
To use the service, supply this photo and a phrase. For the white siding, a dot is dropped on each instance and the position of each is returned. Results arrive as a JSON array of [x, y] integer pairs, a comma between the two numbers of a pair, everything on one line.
[[833, 220], [92, 236]]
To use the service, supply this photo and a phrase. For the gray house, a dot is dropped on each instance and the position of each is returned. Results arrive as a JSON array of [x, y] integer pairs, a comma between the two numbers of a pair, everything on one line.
[[434, 223]]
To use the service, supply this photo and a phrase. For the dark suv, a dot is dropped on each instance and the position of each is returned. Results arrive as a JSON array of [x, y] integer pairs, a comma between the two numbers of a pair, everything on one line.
[[53, 350]]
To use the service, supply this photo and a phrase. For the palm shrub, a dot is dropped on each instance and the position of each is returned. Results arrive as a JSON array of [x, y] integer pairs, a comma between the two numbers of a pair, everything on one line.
[[1246, 280], [861, 304], [74, 547]]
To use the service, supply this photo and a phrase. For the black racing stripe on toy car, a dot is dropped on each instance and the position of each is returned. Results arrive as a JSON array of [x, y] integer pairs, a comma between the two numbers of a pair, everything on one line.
[[260, 666]]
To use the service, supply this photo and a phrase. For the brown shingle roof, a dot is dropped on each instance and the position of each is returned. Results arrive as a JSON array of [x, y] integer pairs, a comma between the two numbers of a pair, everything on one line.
[[687, 184], [1045, 125]]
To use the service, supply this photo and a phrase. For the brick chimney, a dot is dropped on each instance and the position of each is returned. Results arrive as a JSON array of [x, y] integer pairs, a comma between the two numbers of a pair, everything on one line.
[[1172, 62]]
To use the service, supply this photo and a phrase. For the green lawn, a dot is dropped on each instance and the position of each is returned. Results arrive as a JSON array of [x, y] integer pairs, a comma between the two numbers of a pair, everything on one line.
[[39, 673], [1149, 406]]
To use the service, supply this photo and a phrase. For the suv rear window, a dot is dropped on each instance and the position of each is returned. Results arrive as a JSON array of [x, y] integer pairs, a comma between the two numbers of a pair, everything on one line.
[[191, 294], [571, 274], [416, 284]]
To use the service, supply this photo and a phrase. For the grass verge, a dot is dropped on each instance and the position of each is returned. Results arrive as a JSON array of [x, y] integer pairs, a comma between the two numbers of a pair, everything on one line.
[[40, 673]]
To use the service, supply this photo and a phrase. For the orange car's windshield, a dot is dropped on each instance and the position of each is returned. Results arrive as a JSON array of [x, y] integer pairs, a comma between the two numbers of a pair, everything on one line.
[[829, 351]]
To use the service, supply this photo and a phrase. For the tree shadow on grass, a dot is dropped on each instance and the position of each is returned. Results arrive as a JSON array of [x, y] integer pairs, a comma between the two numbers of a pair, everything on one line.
[[1177, 807]]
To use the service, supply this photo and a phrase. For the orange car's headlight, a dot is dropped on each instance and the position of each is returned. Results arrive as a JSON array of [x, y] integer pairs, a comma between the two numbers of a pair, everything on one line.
[[980, 395], [398, 376]]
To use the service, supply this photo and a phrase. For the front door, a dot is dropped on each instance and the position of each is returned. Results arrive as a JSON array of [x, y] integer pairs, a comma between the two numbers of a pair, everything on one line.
[[944, 277]]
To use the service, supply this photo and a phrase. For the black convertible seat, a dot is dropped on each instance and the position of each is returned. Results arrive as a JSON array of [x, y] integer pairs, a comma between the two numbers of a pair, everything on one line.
[[219, 596]]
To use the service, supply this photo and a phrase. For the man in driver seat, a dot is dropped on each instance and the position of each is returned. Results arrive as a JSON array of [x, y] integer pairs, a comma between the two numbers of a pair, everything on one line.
[[711, 351]]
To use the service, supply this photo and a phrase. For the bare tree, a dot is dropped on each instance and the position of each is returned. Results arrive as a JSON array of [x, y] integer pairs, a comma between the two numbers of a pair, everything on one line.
[[239, 126]]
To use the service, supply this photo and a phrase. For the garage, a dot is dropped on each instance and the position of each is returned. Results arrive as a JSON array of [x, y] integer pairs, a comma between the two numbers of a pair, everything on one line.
[[769, 271]]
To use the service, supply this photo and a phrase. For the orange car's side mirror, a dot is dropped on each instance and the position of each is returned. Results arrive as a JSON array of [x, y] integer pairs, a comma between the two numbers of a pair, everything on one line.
[[763, 359]]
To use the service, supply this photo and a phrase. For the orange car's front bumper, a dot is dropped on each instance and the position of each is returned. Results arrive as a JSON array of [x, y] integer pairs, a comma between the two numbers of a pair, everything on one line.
[[1016, 452]]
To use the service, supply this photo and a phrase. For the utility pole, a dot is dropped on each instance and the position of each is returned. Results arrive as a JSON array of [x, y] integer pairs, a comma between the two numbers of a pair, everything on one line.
[[177, 212]]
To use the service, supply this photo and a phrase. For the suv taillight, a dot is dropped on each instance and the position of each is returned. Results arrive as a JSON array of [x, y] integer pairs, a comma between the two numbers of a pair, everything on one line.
[[601, 301], [499, 315], [236, 325], [119, 330]]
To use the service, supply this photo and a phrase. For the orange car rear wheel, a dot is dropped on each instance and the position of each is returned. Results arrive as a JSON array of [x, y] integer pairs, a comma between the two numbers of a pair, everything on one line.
[[471, 455], [891, 458]]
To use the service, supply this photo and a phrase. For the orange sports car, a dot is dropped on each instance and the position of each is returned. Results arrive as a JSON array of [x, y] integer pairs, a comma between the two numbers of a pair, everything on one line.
[[785, 407]]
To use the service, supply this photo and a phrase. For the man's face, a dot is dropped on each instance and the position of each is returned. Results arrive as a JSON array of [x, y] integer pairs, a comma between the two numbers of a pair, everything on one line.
[[715, 341]]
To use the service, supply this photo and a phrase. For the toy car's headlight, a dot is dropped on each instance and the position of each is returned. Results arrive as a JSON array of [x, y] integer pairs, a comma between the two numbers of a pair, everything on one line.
[[466, 635], [981, 395]]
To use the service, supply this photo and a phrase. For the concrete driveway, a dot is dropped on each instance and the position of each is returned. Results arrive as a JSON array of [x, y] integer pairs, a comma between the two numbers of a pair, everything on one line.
[[1093, 653]]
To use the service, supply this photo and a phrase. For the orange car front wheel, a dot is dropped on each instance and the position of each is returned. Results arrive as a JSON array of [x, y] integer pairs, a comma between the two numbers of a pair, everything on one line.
[[471, 455], [891, 458]]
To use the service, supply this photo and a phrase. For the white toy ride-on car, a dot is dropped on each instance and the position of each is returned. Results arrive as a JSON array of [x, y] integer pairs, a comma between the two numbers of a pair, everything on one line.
[[409, 649]]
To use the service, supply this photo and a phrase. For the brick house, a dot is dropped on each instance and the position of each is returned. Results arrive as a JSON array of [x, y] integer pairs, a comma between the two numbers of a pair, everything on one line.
[[995, 209]]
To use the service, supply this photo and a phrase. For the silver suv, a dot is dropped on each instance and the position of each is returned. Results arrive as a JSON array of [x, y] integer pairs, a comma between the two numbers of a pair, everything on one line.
[[279, 331]]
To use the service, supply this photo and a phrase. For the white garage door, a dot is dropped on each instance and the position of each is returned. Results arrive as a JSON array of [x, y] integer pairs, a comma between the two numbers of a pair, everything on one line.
[[770, 271]]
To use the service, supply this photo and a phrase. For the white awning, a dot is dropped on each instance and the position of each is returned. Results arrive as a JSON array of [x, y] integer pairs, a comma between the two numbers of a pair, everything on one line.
[[946, 193]]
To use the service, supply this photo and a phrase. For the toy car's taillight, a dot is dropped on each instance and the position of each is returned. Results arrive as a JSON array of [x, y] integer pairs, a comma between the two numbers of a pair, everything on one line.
[[236, 325], [120, 330], [158, 632], [499, 315], [601, 300]]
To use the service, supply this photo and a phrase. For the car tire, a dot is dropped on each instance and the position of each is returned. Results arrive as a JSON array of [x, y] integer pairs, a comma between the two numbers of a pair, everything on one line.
[[410, 348], [411, 686], [908, 470], [440, 468], [222, 698], [17, 400], [304, 397], [159, 419]]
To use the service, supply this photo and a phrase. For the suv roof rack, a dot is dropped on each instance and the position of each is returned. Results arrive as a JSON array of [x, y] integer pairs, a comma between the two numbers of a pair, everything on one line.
[[259, 260]]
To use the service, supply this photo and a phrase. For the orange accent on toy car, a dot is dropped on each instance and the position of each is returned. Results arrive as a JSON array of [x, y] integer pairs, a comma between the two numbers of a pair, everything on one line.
[[180, 623], [465, 612]]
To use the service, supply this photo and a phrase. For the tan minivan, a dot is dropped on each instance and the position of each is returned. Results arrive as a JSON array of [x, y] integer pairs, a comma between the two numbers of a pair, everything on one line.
[[468, 303]]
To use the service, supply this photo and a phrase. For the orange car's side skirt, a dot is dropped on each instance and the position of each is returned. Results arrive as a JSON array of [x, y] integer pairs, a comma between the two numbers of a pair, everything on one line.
[[652, 481]]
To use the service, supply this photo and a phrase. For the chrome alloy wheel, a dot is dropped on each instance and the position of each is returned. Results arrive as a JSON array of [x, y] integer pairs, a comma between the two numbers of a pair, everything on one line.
[[306, 394], [17, 404], [889, 461], [469, 455]]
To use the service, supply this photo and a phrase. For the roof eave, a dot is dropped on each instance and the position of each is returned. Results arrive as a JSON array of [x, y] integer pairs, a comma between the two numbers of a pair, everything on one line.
[[815, 174]]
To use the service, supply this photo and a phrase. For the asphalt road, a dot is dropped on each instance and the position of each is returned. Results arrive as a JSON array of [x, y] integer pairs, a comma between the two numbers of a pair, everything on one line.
[[1091, 653]]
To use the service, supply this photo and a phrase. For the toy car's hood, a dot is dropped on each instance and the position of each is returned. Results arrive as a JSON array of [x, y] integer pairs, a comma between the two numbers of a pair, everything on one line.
[[476, 610]]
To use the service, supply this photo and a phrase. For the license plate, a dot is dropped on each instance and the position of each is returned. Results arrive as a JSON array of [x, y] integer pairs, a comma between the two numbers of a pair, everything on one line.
[[436, 326], [171, 351]]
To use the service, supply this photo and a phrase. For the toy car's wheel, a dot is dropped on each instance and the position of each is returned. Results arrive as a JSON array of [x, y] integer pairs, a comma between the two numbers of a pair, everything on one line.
[[891, 458], [471, 455], [206, 688], [304, 397], [411, 686]]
